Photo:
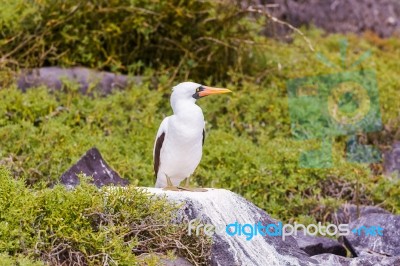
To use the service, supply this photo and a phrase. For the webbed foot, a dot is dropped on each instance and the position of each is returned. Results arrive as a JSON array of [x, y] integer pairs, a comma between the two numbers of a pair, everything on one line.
[[170, 186], [192, 189]]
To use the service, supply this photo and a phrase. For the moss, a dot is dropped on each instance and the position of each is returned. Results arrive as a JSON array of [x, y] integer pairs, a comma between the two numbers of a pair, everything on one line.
[[19, 260]]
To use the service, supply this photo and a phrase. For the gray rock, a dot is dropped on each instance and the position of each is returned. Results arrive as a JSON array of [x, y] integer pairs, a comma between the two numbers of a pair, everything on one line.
[[222, 207], [391, 162], [367, 240], [313, 245], [88, 80], [348, 213], [92, 164], [331, 259], [334, 260], [381, 17]]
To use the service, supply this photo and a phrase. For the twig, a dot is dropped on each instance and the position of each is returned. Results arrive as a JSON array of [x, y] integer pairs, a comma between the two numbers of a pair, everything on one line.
[[276, 20]]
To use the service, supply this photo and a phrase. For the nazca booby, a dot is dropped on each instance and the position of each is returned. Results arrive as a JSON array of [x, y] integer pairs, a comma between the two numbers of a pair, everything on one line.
[[180, 138]]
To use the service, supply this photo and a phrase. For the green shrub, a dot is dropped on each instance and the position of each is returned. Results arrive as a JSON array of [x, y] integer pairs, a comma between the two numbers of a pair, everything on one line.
[[87, 226], [20, 260], [198, 38]]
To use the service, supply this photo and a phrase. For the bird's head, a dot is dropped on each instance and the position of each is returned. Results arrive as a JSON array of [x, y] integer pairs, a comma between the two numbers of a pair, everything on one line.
[[194, 91]]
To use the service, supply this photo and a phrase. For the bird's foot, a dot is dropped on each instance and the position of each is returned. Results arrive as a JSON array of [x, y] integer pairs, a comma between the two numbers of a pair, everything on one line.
[[193, 189], [172, 188]]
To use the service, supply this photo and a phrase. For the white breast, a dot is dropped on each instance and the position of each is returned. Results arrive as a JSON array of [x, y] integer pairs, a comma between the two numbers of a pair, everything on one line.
[[182, 148]]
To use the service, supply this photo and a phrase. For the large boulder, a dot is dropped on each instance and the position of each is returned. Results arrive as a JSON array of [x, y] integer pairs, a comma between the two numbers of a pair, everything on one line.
[[223, 207]]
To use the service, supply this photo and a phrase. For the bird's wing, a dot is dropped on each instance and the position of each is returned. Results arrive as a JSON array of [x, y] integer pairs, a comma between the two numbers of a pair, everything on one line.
[[162, 131]]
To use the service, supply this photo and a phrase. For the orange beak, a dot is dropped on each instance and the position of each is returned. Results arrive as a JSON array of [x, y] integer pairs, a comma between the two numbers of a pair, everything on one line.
[[210, 90]]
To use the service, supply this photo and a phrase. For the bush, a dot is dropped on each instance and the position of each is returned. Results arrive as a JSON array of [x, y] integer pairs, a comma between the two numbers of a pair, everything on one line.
[[87, 226], [198, 38]]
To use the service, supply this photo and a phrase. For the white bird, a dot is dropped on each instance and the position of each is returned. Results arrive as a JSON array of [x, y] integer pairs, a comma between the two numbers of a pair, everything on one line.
[[179, 141]]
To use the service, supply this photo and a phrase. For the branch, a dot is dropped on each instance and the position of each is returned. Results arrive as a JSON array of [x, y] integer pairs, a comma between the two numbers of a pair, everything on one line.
[[276, 20]]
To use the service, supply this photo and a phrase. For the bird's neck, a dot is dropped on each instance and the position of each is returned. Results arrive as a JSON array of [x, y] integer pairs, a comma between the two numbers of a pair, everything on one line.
[[187, 110]]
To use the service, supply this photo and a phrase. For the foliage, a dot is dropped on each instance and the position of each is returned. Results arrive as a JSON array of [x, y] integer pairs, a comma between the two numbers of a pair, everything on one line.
[[20, 260], [253, 122], [197, 37], [87, 226], [249, 147]]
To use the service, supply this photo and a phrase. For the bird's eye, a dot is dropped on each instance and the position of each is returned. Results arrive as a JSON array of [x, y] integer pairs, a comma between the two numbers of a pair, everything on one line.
[[198, 89]]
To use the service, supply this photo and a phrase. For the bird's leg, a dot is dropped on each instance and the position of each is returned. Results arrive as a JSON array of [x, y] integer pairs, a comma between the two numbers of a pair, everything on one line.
[[170, 186], [169, 182], [188, 188]]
